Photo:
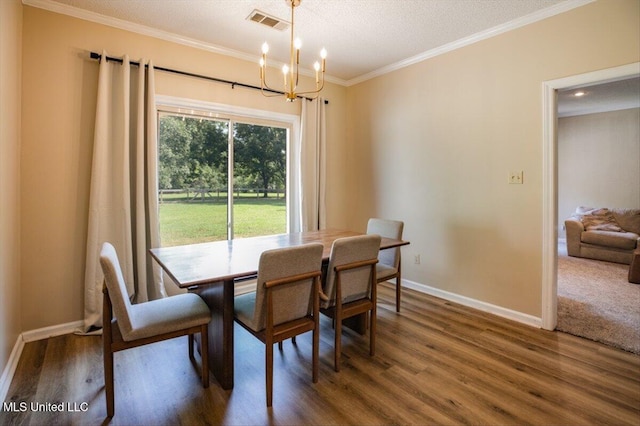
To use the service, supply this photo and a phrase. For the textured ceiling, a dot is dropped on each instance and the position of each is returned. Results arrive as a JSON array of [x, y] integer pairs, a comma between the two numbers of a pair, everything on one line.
[[362, 37]]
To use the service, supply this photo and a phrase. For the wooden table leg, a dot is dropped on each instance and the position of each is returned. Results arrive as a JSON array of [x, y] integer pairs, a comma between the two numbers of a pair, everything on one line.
[[219, 298]]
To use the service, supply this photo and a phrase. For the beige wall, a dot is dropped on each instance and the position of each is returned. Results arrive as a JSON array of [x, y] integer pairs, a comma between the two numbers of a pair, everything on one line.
[[10, 112], [598, 162], [438, 139], [59, 108]]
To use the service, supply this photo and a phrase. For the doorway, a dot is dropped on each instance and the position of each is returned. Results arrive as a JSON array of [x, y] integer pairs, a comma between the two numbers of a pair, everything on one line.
[[550, 178]]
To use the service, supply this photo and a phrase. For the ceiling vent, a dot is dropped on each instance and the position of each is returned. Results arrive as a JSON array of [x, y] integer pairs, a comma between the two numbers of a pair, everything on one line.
[[269, 21]]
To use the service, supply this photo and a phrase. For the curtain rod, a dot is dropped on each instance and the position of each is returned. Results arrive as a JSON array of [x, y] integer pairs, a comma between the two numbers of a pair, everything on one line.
[[98, 56]]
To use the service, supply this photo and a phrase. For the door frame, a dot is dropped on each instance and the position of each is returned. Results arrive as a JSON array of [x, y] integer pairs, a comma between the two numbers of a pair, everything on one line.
[[549, 318]]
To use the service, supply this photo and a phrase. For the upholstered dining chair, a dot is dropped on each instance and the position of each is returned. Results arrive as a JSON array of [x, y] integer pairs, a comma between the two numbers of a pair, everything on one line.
[[144, 323], [349, 288], [389, 265], [285, 303]]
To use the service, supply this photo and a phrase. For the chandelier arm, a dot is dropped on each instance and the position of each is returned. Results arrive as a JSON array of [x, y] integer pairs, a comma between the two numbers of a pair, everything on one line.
[[264, 87], [273, 94], [318, 90], [307, 94], [309, 97]]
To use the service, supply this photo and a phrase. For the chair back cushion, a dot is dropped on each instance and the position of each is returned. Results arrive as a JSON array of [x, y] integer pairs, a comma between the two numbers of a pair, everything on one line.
[[117, 288], [388, 229], [290, 301], [355, 283]]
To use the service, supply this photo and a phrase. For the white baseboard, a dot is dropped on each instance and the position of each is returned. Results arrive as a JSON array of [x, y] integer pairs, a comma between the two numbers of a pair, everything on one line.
[[248, 286], [31, 336], [52, 331], [10, 369], [475, 304]]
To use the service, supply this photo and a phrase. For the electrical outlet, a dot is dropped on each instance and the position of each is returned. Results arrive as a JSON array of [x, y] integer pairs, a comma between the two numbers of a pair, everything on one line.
[[516, 177], [416, 259]]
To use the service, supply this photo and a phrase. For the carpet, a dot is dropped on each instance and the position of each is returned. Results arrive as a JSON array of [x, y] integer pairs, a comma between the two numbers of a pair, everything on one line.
[[596, 301]]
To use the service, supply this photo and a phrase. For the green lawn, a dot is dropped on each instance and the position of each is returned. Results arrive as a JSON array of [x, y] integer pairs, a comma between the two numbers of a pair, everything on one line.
[[194, 222]]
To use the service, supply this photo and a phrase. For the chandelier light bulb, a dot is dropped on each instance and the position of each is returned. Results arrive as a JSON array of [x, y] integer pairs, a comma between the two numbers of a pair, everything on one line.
[[323, 53], [316, 66], [297, 44], [265, 48]]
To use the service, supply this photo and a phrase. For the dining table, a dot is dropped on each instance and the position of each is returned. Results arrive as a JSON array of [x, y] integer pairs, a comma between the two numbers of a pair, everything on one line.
[[211, 269]]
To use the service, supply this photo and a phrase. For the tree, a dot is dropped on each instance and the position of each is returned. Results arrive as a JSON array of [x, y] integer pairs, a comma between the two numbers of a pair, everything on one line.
[[173, 153], [260, 154], [209, 148], [192, 152]]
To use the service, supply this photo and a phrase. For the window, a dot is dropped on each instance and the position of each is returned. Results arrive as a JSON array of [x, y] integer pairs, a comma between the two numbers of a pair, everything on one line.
[[220, 176]]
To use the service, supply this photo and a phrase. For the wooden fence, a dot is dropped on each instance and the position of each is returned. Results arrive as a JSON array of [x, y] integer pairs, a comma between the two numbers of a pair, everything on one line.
[[202, 194]]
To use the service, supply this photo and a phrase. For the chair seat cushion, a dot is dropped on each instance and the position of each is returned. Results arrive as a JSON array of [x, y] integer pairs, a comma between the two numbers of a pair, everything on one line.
[[383, 272], [167, 315], [244, 306]]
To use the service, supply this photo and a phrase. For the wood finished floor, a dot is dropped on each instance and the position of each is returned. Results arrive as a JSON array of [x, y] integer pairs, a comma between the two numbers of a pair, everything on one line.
[[436, 363]]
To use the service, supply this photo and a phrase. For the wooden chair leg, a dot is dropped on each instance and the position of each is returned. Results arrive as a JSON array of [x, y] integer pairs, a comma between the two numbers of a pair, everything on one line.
[[337, 345], [269, 372], [108, 381], [293, 340], [204, 354], [280, 345], [372, 334], [398, 288], [191, 347], [316, 350], [374, 316], [398, 285], [107, 351]]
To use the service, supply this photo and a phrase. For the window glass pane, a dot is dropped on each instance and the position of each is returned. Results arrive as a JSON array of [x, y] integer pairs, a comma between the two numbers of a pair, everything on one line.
[[196, 193], [192, 179], [260, 165]]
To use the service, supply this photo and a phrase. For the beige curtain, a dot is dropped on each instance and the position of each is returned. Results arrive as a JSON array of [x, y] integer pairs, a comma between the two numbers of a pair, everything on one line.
[[123, 206], [313, 166]]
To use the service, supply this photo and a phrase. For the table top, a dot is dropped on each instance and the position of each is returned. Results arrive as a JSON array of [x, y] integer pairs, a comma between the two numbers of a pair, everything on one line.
[[205, 263]]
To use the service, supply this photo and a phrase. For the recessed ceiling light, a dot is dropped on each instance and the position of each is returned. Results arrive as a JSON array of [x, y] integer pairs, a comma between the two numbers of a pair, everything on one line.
[[578, 94]]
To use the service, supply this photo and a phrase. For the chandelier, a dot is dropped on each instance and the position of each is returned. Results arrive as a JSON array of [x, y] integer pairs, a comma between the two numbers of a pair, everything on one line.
[[290, 72]]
